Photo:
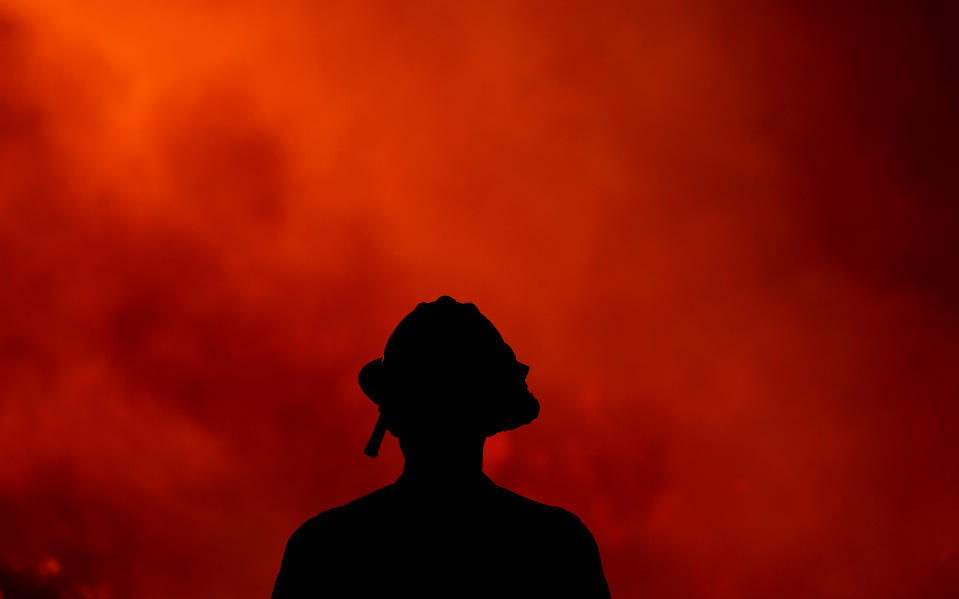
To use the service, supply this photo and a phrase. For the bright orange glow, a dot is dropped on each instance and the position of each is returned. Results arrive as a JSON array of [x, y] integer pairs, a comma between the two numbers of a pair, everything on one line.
[[721, 233]]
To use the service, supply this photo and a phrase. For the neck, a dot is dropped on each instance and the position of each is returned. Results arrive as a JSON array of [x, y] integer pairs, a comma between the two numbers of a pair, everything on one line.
[[445, 464]]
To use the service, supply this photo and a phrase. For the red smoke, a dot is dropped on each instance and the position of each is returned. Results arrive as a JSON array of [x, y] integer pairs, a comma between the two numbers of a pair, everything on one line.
[[720, 233]]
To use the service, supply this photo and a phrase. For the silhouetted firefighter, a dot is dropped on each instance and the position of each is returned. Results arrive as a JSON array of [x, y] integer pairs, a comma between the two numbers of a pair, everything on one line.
[[446, 381]]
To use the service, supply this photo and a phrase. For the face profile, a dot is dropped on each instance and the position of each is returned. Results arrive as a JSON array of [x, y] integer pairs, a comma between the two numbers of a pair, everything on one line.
[[446, 382]]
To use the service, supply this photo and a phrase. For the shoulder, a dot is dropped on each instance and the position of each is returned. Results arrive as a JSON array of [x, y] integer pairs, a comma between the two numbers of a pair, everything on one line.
[[550, 516], [545, 510], [343, 519]]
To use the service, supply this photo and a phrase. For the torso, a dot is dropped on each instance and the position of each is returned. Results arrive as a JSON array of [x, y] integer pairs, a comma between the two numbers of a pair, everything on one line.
[[408, 540]]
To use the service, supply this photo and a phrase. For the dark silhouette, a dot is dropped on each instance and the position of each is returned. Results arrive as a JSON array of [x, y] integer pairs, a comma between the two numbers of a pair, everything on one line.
[[446, 381]]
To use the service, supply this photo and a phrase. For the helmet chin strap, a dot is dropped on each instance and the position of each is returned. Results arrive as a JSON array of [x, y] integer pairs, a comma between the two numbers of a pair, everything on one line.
[[376, 439], [369, 384]]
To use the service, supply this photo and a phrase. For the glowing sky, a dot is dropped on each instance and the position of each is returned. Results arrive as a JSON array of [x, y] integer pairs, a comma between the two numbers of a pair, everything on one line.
[[721, 234]]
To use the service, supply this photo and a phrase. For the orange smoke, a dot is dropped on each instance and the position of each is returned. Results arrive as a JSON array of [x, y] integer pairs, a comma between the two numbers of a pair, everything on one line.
[[720, 233]]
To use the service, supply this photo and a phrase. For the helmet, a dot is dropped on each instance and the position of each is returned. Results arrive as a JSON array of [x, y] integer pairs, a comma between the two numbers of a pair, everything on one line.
[[447, 365]]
